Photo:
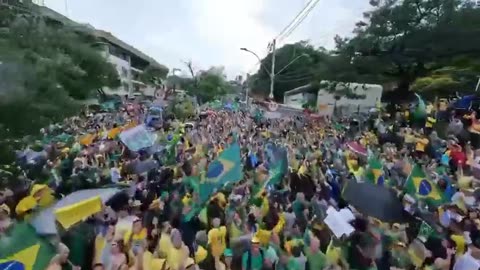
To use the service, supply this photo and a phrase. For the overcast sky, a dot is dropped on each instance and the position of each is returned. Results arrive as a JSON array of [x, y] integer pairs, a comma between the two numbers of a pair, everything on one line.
[[210, 32]]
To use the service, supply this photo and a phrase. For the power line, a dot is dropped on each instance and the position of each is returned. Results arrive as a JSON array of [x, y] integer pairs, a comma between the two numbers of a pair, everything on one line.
[[293, 24], [294, 19], [299, 21]]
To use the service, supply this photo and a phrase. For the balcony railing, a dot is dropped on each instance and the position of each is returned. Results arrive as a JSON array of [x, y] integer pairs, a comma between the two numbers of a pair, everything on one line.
[[138, 82], [137, 70]]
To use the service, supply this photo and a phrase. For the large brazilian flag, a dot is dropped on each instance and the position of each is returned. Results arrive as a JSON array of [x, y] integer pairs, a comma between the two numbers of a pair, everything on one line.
[[227, 168], [23, 249]]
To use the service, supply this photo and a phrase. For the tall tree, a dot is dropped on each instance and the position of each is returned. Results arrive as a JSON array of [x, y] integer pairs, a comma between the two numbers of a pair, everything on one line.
[[206, 85], [154, 76], [411, 39], [47, 70], [300, 64], [288, 74], [421, 45]]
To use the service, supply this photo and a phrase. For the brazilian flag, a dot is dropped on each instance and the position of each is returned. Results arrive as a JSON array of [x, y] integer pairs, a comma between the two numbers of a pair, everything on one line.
[[171, 150], [374, 173], [420, 187], [192, 182], [278, 163], [227, 168], [23, 249]]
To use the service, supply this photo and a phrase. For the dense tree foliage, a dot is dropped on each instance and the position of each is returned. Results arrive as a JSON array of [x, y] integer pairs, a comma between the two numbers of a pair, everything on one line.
[[45, 70], [206, 85], [181, 108], [422, 45], [154, 76]]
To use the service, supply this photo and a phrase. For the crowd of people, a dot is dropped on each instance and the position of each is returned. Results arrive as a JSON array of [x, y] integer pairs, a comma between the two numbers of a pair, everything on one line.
[[160, 219]]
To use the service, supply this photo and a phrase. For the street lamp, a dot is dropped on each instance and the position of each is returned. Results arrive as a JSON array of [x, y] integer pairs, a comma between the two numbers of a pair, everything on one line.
[[258, 57], [175, 70], [272, 73]]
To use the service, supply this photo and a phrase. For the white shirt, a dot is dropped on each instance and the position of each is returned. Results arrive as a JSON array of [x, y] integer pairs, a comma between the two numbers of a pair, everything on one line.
[[467, 262], [115, 174]]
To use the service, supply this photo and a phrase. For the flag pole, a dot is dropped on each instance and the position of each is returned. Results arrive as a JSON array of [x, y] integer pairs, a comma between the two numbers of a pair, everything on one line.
[[478, 85]]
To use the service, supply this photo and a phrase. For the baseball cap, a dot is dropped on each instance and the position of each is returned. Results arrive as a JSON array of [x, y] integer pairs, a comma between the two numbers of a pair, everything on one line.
[[255, 240]]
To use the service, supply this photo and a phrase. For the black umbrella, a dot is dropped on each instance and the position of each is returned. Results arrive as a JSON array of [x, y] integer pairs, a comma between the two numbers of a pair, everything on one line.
[[375, 201]]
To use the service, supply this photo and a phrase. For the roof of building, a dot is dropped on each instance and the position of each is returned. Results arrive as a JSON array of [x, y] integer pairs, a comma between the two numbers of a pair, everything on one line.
[[98, 33], [113, 39], [298, 90], [308, 87]]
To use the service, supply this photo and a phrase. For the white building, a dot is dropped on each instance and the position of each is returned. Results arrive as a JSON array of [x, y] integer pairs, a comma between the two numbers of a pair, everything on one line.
[[326, 101], [297, 97], [372, 92], [128, 61]]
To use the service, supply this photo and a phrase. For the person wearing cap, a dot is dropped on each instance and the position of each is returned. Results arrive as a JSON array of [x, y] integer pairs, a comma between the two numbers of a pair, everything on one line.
[[253, 259], [400, 257], [135, 237]]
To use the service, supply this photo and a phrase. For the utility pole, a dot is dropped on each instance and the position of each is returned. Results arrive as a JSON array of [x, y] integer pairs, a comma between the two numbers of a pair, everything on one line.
[[272, 73], [247, 89]]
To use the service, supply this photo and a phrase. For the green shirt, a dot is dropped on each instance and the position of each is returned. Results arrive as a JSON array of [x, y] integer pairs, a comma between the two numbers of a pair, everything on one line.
[[316, 260], [291, 265], [256, 261], [298, 208]]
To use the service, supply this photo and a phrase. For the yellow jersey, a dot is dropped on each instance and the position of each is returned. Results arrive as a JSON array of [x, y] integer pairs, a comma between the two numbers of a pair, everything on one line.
[[430, 122], [176, 257], [217, 240], [460, 243], [421, 144], [164, 244]]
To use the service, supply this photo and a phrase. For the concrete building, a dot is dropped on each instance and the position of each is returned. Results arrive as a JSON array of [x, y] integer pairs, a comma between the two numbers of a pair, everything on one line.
[[128, 61], [297, 97], [326, 102]]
